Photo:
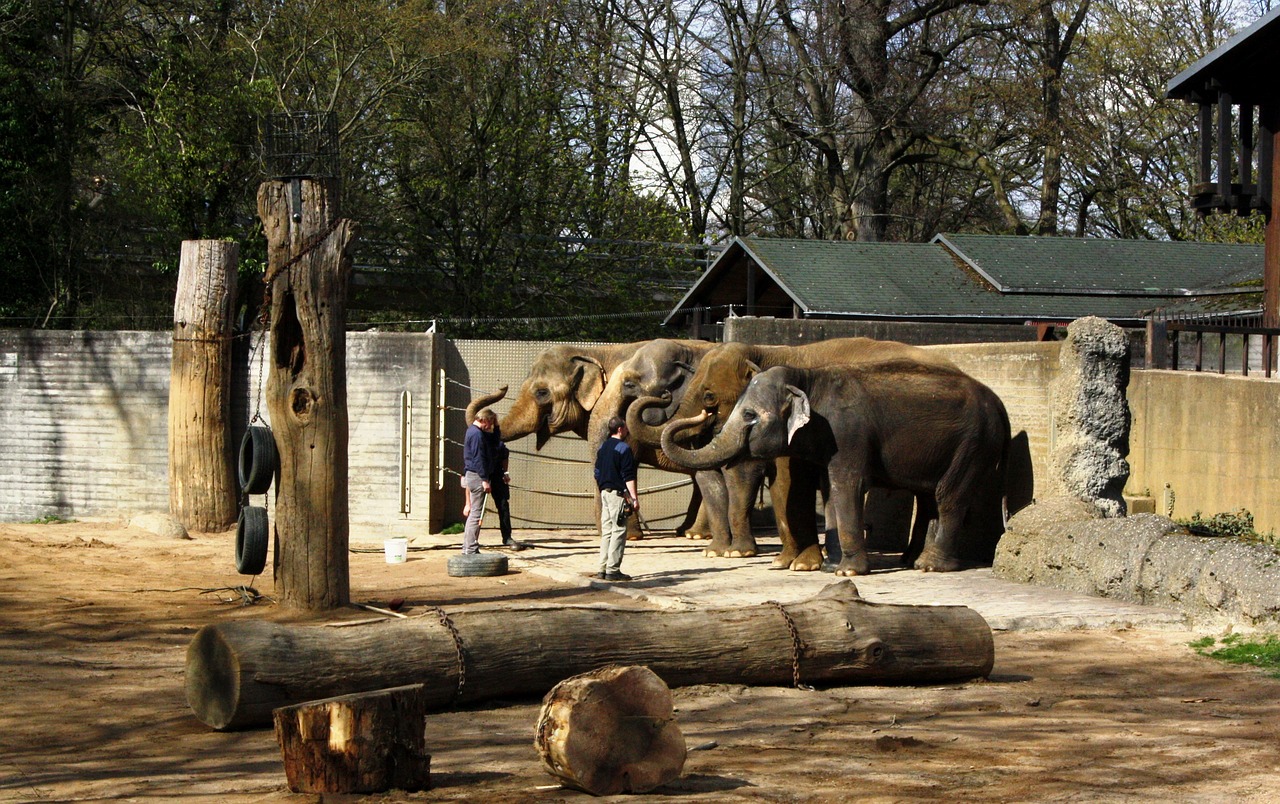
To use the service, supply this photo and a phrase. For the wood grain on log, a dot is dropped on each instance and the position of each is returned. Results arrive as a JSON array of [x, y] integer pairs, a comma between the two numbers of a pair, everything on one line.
[[237, 672], [364, 743], [611, 731], [309, 266], [202, 487]]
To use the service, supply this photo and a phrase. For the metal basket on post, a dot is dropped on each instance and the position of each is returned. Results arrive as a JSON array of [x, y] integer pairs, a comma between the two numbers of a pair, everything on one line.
[[301, 145]]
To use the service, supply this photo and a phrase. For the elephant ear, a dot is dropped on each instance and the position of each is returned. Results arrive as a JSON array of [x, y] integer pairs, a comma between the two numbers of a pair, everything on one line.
[[799, 415], [591, 381]]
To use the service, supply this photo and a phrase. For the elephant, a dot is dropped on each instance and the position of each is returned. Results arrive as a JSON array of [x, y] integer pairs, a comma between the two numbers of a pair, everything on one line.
[[722, 375], [925, 428], [659, 368]]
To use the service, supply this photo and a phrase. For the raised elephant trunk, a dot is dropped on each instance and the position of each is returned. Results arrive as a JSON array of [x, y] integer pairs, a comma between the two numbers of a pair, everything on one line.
[[642, 432], [722, 449], [481, 402]]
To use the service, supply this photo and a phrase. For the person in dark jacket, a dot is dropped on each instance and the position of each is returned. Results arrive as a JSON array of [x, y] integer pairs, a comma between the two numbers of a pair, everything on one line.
[[480, 464], [615, 474]]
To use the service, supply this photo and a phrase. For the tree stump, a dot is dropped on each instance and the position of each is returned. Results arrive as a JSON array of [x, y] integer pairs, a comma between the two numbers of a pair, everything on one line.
[[238, 672], [202, 488], [365, 743], [308, 268], [611, 731]]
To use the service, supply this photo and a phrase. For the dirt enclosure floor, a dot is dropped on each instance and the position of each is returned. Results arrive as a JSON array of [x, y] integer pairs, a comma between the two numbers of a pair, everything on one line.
[[95, 620]]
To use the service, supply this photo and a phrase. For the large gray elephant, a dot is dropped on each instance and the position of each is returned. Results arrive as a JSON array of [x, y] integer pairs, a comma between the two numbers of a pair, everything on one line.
[[722, 375], [928, 429]]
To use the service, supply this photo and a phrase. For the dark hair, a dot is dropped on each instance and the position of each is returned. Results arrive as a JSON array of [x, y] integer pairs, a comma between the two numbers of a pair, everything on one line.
[[615, 423]]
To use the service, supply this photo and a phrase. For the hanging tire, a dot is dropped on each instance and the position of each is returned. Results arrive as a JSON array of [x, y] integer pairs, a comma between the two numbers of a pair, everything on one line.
[[251, 540], [477, 564], [257, 467]]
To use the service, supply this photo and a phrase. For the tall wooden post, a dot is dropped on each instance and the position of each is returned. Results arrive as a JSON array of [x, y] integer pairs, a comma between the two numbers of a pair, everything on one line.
[[1271, 242], [308, 267], [202, 493]]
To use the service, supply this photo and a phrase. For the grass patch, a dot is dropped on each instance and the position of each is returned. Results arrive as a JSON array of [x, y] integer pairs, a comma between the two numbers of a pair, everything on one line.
[[1263, 653], [456, 527], [52, 519]]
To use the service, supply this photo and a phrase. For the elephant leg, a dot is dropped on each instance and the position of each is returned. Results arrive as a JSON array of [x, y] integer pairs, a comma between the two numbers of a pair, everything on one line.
[[742, 481], [848, 499], [779, 492], [715, 500], [926, 512], [953, 494], [693, 516], [802, 516]]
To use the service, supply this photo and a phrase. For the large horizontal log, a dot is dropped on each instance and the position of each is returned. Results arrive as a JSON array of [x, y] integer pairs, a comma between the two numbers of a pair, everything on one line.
[[237, 673]]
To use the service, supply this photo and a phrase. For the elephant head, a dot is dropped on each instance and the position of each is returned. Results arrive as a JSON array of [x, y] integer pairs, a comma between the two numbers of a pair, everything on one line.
[[659, 370], [721, 376], [558, 395], [761, 425]]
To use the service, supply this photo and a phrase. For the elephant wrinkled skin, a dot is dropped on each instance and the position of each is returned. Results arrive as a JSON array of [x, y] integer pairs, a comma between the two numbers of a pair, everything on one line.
[[928, 429]]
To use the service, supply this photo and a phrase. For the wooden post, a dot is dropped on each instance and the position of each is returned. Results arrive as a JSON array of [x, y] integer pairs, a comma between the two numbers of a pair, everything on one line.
[[202, 486], [367, 743], [237, 672], [308, 267], [1271, 240]]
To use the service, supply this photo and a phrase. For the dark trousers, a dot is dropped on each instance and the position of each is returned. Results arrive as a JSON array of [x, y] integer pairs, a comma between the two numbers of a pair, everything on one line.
[[501, 494]]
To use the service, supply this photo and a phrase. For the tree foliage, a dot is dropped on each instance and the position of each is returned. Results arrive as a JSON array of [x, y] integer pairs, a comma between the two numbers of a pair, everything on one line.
[[575, 162]]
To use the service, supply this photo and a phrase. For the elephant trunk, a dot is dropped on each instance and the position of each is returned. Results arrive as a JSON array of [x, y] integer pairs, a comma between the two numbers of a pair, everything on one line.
[[642, 432], [483, 401], [722, 449]]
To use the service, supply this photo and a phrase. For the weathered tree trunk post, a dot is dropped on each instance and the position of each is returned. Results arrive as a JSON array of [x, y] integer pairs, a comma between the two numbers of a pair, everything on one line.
[[202, 493], [308, 266]]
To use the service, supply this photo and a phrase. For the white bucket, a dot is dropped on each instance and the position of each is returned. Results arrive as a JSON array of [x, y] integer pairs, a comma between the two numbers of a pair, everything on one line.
[[397, 549]]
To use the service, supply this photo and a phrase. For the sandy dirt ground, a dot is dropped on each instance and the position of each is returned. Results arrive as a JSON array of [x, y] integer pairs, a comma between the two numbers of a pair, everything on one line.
[[95, 619]]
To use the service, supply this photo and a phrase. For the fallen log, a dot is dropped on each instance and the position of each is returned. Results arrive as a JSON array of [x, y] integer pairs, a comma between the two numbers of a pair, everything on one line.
[[369, 742], [238, 672], [610, 731]]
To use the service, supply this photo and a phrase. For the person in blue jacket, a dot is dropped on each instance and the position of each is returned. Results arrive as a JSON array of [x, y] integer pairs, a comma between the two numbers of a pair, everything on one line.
[[480, 464], [615, 474]]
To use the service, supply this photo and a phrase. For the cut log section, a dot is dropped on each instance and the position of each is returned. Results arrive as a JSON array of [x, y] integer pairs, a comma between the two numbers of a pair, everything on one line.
[[238, 672], [365, 743], [611, 731]]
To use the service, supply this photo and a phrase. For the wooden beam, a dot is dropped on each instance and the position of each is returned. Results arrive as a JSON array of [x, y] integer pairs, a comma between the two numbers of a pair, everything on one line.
[[1271, 251]]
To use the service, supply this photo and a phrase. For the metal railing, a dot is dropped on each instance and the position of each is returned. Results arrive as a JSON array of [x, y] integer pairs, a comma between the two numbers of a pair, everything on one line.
[[1243, 344]]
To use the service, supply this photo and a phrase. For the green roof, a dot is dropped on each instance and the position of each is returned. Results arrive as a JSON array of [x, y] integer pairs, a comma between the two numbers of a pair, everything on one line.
[[984, 277]]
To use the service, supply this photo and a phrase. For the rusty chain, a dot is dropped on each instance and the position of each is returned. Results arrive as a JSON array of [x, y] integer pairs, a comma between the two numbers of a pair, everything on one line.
[[796, 645], [457, 644]]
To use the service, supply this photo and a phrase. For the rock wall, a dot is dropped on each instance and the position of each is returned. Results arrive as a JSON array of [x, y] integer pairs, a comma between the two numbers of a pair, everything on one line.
[[1143, 558]]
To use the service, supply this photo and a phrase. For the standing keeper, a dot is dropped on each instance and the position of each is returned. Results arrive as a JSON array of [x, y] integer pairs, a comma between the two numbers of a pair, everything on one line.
[[615, 473]]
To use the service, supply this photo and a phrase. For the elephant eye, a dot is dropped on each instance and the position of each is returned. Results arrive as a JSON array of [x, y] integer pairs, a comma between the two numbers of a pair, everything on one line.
[[749, 416], [542, 394], [630, 385], [709, 399]]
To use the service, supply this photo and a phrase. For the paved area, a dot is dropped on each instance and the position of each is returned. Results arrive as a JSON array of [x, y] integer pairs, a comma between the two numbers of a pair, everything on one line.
[[673, 573]]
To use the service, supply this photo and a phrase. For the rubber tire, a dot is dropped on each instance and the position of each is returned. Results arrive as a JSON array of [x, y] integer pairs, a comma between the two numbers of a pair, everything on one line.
[[257, 466], [477, 565], [252, 535]]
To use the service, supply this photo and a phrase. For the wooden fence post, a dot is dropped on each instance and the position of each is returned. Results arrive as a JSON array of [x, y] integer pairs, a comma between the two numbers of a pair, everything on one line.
[[202, 493], [308, 268]]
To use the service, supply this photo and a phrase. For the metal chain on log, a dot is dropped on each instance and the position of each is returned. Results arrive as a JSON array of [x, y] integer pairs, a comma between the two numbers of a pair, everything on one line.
[[796, 645], [457, 644]]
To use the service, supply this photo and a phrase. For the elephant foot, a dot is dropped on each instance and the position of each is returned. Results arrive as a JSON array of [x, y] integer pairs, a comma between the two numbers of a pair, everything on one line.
[[808, 561], [782, 561], [853, 565], [697, 537], [713, 553], [931, 561], [744, 552]]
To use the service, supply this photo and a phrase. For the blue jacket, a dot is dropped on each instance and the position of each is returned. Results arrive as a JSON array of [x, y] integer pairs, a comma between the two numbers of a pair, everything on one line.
[[480, 453], [615, 465]]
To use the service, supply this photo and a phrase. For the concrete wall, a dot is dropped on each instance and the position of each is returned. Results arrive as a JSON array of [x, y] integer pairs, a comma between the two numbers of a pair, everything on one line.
[[1213, 439], [83, 430]]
